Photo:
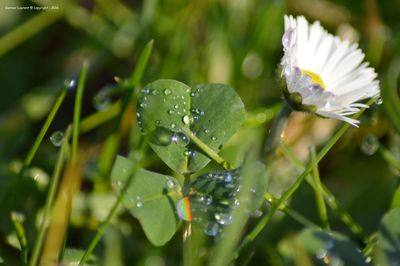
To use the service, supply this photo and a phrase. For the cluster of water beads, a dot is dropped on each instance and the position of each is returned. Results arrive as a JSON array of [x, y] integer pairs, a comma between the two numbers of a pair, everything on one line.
[[212, 199], [57, 138]]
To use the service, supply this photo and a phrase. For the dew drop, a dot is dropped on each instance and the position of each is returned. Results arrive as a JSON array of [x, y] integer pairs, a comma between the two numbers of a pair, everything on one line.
[[173, 125], [228, 177], [321, 253], [171, 111], [223, 218], [143, 105], [119, 183], [139, 202], [256, 214], [189, 153], [211, 229], [158, 122], [70, 84], [176, 106], [167, 92], [370, 145], [155, 92], [194, 94], [187, 119], [57, 138], [287, 38], [214, 138], [206, 131], [207, 200], [171, 183], [102, 101], [379, 101], [180, 139], [162, 136]]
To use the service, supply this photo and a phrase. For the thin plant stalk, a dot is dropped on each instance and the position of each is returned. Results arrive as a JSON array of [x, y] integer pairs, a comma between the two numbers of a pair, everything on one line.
[[319, 197], [77, 110], [293, 188], [102, 228], [331, 200], [50, 199], [36, 144], [187, 229], [207, 150], [291, 212]]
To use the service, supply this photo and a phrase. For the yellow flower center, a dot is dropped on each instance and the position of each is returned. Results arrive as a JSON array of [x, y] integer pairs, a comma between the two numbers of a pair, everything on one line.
[[314, 77]]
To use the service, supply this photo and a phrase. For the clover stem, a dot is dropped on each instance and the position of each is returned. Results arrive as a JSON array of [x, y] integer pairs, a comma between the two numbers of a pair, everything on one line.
[[187, 229], [207, 150]]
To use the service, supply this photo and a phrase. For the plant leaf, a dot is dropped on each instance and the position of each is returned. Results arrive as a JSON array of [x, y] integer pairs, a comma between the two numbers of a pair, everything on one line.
[[213, 112], [388, 252], [150, 197]]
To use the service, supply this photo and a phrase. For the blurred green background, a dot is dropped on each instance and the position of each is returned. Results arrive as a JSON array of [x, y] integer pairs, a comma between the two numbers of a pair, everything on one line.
[[236, 42]]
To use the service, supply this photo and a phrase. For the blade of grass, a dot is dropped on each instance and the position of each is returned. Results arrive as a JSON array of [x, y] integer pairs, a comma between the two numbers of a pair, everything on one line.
[[391, 102], [77, 110], [102, 228], [50, 199], [290, 212], [57, 231], [319, 198], [111, 144], [293, 188], [10, 188], [17, 221], [28, 29], [333, 203]]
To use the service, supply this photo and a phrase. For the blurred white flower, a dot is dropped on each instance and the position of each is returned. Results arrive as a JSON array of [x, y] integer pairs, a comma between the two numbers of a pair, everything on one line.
[[324, 74]]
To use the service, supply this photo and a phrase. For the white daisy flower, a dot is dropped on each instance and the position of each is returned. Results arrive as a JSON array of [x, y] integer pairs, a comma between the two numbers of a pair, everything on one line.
[[324, 74]]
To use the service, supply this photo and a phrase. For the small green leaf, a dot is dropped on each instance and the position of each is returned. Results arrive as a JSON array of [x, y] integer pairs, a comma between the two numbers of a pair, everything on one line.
[[213, 112], [330, 248], [150, 197], [388, 252]]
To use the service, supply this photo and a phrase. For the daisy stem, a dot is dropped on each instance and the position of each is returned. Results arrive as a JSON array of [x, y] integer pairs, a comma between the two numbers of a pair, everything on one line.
[[293, 188], [276, 129], [319, 197], [331, 200]]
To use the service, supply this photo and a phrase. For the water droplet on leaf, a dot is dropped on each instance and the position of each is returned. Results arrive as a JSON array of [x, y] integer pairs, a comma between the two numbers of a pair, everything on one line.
[[211, 229], [187, 119], [214, 138], [162, 136], [57, 138], [180, 139], [223, 218], [167, 92], [139, 202], [379, 101]]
